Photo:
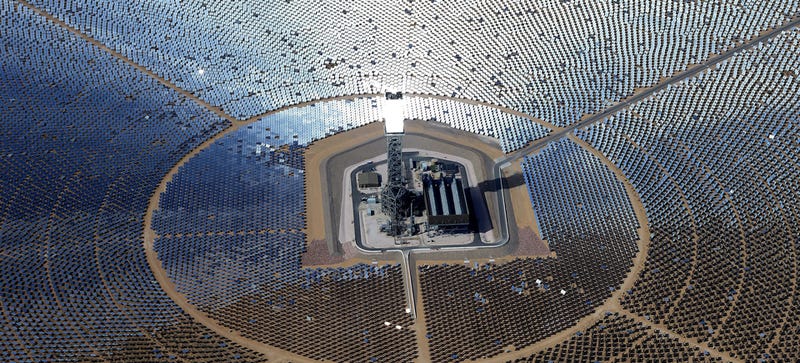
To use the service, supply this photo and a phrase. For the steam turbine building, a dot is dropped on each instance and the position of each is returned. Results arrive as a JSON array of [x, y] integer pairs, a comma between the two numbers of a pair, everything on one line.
[[171, 170]]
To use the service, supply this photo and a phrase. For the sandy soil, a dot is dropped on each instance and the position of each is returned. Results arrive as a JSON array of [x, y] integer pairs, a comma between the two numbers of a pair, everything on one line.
[[317, 254], [319, 153], [160, 275], [486, 145], [530, 241], [316, 155], [613, 304], [501, 108], [280, 356]]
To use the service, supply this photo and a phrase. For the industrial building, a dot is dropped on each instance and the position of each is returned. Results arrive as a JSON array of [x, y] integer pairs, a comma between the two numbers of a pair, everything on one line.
[[156, 204], [445, 202], [369, 179]]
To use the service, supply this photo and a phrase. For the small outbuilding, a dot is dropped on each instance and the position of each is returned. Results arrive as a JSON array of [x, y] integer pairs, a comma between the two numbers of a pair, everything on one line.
[[369, 180]]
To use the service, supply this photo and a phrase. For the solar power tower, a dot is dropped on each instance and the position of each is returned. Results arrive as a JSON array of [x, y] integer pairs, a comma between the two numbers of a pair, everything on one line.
[[393, 195]]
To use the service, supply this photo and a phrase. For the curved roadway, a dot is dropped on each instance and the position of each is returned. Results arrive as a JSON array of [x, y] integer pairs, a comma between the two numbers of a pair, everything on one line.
[[556, 134]]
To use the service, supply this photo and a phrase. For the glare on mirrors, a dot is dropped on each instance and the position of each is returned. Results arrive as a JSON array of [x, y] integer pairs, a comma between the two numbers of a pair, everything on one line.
[[394, 113]]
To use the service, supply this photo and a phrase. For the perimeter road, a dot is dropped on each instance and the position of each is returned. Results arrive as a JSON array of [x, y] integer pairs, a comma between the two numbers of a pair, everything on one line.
[[556, 135]]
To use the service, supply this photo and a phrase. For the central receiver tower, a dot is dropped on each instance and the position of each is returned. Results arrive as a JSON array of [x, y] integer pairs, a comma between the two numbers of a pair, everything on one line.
[[394, 194]]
